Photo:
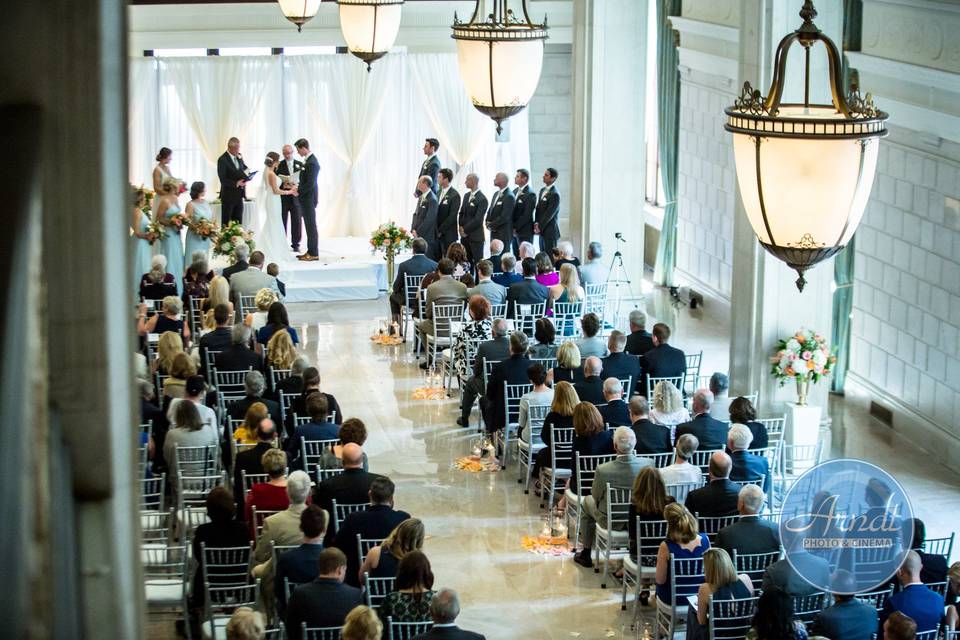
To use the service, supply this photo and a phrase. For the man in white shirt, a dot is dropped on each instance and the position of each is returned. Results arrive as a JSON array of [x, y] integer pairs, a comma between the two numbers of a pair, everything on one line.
[[681, 470], [593, 271]]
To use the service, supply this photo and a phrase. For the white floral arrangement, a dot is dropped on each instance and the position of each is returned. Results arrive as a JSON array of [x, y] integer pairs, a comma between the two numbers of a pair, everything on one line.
[[231, 236], [805, 355]]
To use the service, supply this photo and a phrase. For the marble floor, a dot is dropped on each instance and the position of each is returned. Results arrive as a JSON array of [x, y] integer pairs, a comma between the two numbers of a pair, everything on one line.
[[475, 521]]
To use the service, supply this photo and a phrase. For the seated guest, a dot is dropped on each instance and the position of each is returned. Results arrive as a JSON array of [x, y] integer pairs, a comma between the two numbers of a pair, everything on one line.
[[417, 265], [194, 391], [663, 361], [899, 627], [513, 370], [311, 385], [568, 290], [412, 591], [486, 287], [565, 248], [280, 352], [239, 356], [934, 565], [350, 487], [953, 590], [651, 437], [773, 619], [668, 406], [682, 471], [181, 370], [362, 623], [444, 609], [527, 250], [750, 534], [219, 339], [640, 340], [648, 499], [546, 273], [497, 349], [221, 531], [246, 433], [319, 428], [916, 600], [590, 438], [157, 283], [847, 617], [249, 461], [272, 494], [544, 333], [445, 291], [683, 541], [462, 269], [249, 281], [568, 364], [720, 582], [711, 433], [719, 387], [246, 624], [352, 431], [560, 416], [746, 465], [783, 576], [593, 271], [276, 321], [496, 254], [590, 388], [620, 364], [525, 291], [382, 560], [262, 302], [241, 253], [169, 344], [254, 386], [219, 293], [541, 394], [615, 412], [619, 473], [720, 496], [476, 332], [169, 319], [507, 274], [742, 412], [189, 431], [373, 523], [326, 601], [299, 565], [273, 270], [294, 382], [591, 344], [196, 280]]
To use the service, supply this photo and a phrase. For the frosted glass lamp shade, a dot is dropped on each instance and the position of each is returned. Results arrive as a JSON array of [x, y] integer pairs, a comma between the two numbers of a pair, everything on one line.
[[299, 12], [500, 76], [370, 27]]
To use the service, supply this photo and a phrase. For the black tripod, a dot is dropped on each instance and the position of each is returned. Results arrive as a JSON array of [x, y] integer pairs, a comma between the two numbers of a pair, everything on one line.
[[618, 277]]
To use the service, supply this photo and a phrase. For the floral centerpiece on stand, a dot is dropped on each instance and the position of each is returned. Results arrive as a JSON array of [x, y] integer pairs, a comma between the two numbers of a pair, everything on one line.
[[229, 237], [390, 239], [805, 357]]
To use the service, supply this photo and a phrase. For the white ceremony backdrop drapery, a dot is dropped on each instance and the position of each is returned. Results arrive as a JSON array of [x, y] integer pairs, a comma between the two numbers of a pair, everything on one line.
[[367, 130]]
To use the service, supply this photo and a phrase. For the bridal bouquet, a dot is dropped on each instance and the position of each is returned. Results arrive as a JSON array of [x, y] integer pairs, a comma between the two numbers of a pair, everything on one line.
[[203, 227], [231, 236], [805, 357], [155, 231], [390, 239]]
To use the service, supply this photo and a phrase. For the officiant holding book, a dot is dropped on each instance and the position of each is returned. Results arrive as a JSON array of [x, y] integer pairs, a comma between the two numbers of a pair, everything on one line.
[[232, 172]]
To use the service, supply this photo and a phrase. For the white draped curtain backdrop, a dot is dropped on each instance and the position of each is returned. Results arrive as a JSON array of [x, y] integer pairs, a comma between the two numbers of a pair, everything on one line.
[[366, 129]]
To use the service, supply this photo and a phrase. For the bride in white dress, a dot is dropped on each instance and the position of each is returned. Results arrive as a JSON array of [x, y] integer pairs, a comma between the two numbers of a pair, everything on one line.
[[269, 235]]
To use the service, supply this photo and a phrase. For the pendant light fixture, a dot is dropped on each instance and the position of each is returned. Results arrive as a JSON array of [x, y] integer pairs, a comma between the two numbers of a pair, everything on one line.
[[370, 27], [299, 12]]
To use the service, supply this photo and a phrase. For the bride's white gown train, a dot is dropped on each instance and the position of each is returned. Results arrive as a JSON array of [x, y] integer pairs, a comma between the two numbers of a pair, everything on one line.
[[269, 234]]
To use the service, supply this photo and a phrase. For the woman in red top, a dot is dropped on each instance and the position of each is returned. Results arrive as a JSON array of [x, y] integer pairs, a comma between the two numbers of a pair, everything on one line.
[[271, 495]]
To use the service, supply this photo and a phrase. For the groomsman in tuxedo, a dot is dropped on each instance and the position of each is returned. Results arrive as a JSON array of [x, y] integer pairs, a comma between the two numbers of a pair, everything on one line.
[[523, 209], [425, 217], [447, 210], [471, 219], [430, 166], [500, 216], [307, 197], [232, 172], [547, 221], [290, 207]]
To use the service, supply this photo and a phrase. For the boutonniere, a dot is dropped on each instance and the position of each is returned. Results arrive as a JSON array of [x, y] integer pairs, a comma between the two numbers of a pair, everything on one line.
[[446, 200]]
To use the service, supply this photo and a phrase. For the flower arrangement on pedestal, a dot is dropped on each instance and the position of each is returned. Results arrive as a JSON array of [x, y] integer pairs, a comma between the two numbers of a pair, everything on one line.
[[390, 239], [231, 236], [805, 357]]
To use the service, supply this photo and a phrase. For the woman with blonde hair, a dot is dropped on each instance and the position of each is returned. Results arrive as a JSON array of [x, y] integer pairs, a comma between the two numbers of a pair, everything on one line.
[[170, 216], [169, 319], [568, 364], [272, 494], [181, 368], [683, 541], [382, 560], [668, 406], [362, 623], [565, 401], [246, 433], [568, 289], [168, 346], [246, 624], [264, 298], [219, 293], [721, 582], [280, 351]]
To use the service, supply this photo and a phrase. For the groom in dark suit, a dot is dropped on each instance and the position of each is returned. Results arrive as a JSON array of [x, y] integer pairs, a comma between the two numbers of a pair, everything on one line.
[[289, 205], [232, 173], [307, 197]]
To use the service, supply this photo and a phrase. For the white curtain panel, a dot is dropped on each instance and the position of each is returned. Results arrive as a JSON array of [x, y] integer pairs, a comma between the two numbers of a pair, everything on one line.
[[142, 114]]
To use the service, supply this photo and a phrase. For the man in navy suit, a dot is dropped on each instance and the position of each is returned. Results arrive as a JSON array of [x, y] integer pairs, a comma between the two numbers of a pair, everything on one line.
[[500, 215], [590, 389], [232, 173], [444, 609], [424, 223], [374, 523], [547, 219], [620, 364], [513, 370], [847, 618], [507, 276], [720, 496], [448, 208], [746, 465], [326, 601], [651, 437], [418, 265], [934, 565], [523, 210], [751, 533], [916, 600], [663, 361], [307, 196], [319, 428], [528, 291], [711, 433], [615, 413], [299, 565], [473, 207], [640, 341]]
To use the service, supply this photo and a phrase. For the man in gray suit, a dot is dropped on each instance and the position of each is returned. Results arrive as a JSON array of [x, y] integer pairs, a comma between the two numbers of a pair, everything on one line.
[[487, 288], [495, 350], [619, 473], [472, 210], [424, 223], [249, 281], [500, 216], [446, 290], [749, 534]]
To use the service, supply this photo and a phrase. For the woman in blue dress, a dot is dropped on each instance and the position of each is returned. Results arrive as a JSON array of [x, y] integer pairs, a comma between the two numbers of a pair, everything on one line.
[[684, 541], [170, 216], [142, 247], [196, 210]]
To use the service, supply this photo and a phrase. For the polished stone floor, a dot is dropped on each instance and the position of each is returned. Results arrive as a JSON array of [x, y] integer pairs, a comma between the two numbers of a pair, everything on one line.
[[475, 521]]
